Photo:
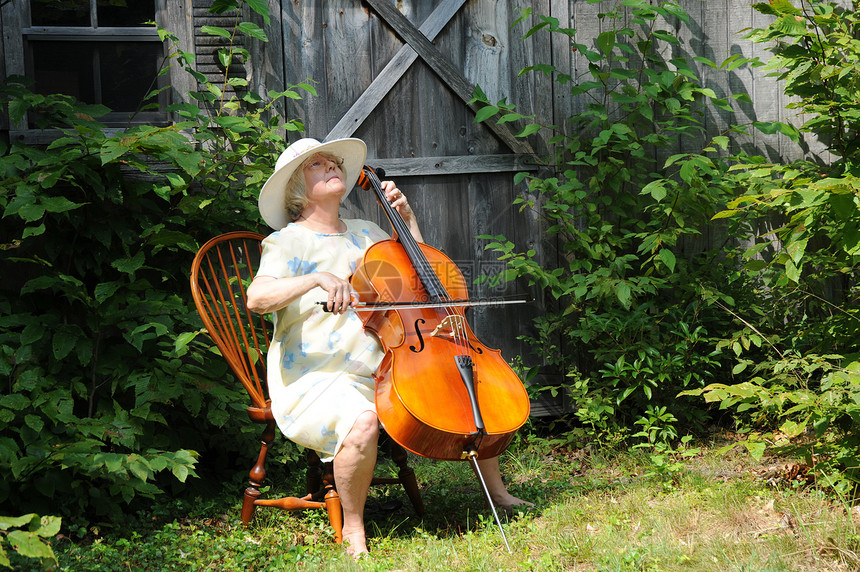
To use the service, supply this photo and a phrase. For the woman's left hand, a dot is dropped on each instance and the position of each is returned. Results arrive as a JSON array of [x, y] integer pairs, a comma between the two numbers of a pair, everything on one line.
[[398, 200]]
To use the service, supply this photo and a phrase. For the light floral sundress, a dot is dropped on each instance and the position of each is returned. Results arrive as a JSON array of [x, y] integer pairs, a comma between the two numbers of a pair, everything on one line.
[[319, 365]]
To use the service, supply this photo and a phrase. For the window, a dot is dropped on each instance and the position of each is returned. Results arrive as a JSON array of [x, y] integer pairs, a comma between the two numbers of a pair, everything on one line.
[[99, 51]]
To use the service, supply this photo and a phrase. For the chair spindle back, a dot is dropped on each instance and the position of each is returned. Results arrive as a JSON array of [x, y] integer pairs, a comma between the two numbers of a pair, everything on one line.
[[220, 274]]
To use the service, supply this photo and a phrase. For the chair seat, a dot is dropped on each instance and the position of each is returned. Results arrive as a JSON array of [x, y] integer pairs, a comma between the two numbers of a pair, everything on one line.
[[260, 414]]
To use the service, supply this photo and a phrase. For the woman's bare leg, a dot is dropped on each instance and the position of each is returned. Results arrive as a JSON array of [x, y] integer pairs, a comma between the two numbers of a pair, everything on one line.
[[353, 471], [498, 492]]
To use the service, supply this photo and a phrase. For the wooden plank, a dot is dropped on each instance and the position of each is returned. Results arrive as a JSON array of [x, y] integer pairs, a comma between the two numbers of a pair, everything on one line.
[[765, 96], [434, 123], [178, 19], [536, 93], [557, 50], [110, 34], [13, 42], [445, 126], [392, 72], [454, 165], [303, 55], [451, 76], [588, 26], [348, 55], [13, 19], [492, 213], [487, 58], [481, 61], [267, 58]]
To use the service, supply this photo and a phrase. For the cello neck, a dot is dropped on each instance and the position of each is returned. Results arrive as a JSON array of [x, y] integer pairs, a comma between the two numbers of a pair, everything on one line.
[[434, 287]]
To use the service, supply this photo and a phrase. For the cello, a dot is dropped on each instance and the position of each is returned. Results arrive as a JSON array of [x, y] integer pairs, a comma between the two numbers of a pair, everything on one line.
[[440, 392]]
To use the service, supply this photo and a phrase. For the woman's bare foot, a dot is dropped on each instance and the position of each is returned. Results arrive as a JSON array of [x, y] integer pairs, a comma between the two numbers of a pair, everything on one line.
[[355, 543], [509, 503]]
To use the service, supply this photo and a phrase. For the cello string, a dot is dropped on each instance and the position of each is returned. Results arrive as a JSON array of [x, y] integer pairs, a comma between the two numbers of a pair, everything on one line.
[[430, 280]]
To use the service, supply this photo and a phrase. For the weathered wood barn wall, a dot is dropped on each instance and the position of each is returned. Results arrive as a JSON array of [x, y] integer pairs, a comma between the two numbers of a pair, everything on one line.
[[399, 74]]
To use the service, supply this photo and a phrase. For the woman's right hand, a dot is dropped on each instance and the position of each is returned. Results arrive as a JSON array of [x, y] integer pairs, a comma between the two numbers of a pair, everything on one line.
[[340, 292]]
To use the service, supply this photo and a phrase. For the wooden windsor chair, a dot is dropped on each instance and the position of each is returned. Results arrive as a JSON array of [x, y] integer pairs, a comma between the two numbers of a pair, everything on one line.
[[220, 274]]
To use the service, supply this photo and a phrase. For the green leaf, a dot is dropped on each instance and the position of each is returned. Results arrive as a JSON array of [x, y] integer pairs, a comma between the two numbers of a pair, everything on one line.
[[129, 265], [485, 113], [105, 290], [50, 526], [237, 124], [792, 271], [216, 31], [606, 41], [528, 130], [790, 25], [34, 422], [755, 448], [792, 429], [111, 150], [29, 544], [668, 258], [31, 212], [676, 11], [183, 339], [253, 30], [176, 180], [7, 522], [656, 189], [221, 6], [622, 292], [18, 108], [688, 171], [17, 402], [728, 213], [770, 127], [722, 141], [64, 342], [261, 7], [796, 249], [666, 37], [225, 57], [180, 472], [59, 204]]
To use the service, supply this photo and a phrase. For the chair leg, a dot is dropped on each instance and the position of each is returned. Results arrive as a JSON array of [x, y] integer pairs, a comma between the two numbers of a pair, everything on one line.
[[313, 476], [332, 503], [257, 475], [407, 477]]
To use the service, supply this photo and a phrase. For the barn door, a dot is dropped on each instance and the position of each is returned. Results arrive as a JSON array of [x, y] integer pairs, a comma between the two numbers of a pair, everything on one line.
[[399, 75]]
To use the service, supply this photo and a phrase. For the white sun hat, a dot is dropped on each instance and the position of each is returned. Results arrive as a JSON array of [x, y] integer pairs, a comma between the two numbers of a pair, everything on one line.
[[272, 199]]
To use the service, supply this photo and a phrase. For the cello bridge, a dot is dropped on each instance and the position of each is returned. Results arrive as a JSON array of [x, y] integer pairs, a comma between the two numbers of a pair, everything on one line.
[[447, 326]]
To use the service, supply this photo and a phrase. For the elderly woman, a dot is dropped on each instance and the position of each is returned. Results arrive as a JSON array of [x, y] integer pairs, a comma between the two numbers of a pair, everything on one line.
[[320, 364]]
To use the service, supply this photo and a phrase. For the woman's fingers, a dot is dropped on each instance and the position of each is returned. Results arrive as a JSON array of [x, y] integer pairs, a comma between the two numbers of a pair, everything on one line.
[[396, 198], [340, 293]]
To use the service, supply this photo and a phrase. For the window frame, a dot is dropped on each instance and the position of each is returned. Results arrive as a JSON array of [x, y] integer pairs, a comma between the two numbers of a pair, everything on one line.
[[174, 15]]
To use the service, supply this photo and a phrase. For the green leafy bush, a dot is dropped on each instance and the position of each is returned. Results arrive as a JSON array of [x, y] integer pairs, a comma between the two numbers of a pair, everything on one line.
[[801, 374], [109, 394], [766, 324], [637, 321]]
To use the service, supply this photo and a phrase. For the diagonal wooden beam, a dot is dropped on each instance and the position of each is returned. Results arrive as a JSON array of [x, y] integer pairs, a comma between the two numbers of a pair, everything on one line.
[[443, 68], [392, 72]]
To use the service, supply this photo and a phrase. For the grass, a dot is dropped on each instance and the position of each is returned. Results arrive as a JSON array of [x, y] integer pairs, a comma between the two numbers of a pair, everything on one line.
[[594, 512]]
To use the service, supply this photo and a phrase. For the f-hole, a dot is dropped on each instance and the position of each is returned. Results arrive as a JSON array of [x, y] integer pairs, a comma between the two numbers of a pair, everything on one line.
[[420, 337]]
